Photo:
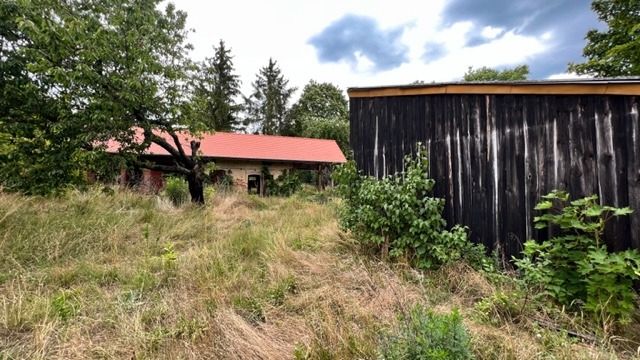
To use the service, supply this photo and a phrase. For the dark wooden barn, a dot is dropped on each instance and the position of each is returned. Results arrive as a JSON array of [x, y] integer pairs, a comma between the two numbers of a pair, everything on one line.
[[496, 147]]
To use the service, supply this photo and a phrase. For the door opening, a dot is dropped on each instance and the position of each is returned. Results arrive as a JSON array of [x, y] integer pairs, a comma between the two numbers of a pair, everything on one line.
[[253, 184]]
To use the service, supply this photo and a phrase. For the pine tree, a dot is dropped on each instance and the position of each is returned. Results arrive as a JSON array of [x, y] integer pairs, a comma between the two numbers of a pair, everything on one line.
[[217, 88], [267, 106]]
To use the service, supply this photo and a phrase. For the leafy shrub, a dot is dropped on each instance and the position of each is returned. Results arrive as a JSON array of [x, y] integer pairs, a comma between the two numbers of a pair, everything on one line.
[[574, 267], [398, 216], [424, 334], [210, 193], [286, 184], [177, 190]]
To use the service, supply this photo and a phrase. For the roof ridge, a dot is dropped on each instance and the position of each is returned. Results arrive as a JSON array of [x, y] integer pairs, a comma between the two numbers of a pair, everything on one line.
[[263, 135]]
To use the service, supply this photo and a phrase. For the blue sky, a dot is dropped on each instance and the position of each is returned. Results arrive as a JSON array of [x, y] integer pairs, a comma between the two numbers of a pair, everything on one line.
[[365, 43]]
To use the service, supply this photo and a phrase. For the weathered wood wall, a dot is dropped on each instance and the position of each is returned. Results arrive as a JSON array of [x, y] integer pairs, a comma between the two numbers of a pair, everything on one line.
[[493, 156]]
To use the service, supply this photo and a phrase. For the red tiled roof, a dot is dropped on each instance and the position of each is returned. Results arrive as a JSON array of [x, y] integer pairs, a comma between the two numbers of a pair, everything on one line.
[[252, 147]]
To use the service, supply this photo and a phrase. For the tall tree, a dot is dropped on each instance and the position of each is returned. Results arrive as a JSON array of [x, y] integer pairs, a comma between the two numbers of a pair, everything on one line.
[[616, 50], [41, 139], [484, 73], [322, 112], [217, 88], [267, 105], [107, 69], [321, 99], [328, 128]]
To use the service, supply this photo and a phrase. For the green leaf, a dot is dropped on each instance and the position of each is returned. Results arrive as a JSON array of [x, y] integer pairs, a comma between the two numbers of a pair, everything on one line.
[[544, 205], [622, 211], [593, 211]]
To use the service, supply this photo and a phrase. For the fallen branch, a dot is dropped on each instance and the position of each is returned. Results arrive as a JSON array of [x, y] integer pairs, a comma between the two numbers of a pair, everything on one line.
[[549, 325]]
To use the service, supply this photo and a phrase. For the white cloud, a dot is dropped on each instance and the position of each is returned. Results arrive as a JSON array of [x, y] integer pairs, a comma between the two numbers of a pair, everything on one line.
[[567, 76], [257, 30], [491, 32], [547, 35], [364, 64]]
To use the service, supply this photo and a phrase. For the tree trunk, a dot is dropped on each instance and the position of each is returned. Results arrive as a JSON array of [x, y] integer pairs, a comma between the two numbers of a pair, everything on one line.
[[196, 188]]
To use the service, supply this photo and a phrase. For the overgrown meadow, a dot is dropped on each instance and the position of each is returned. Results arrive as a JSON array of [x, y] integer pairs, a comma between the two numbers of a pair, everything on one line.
[[116, 274]]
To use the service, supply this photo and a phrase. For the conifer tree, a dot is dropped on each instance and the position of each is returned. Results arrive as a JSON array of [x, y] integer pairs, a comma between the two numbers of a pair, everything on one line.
[[267, 106], [216, 91]]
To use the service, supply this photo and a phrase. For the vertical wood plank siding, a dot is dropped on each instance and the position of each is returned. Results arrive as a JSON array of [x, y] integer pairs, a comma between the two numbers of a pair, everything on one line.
[[493, 156]]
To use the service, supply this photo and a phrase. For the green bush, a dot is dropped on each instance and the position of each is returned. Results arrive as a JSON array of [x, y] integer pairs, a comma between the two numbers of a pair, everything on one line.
[[574, 267], [210, 193], [287, 184], [177, 190], [398, 216], [426, 335]]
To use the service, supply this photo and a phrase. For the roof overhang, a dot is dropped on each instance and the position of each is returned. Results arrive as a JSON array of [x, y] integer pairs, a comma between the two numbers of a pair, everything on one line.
[[260, 160], [613, 86]]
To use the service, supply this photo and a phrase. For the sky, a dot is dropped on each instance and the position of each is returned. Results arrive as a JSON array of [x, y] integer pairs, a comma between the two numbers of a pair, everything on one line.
[[354, 43]]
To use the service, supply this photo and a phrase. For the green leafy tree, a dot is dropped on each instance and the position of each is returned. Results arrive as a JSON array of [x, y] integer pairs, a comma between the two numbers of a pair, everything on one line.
[[322, 112], [267, 106], [100, 70], [217, 88], [616, 50], [41, 138], [484, 73], [320, 100], [333, 128]]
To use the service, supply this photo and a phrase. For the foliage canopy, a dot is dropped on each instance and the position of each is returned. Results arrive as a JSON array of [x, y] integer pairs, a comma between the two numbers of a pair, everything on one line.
[[484, 73], [84, 72], [614, 51]]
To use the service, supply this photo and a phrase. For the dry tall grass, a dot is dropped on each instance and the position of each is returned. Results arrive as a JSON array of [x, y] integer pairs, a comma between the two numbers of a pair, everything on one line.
[[94, 275]]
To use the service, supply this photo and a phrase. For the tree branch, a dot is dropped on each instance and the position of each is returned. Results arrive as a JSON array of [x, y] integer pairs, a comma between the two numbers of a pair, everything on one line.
[[195, 147], [148, 134], [166, 168], [180, 149]]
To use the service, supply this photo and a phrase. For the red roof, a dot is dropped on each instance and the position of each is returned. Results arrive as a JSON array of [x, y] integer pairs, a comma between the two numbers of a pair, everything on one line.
[[252, 147]]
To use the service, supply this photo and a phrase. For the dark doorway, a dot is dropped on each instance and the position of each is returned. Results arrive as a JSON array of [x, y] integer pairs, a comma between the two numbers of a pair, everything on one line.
[[253, 184], [218, 176], [133, 177]]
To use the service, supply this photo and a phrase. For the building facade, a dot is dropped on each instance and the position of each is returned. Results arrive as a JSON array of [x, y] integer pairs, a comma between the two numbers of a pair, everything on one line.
[[241, 158]]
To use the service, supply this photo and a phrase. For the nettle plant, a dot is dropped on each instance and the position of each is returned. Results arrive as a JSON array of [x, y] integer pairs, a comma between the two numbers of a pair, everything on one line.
[[574, 267], [397, 215]]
